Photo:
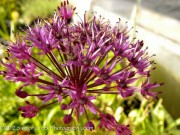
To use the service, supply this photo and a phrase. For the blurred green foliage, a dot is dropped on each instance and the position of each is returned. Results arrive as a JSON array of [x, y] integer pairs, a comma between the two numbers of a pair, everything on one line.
[[16, 14], [9, 12], [38, 8], [144, 117]]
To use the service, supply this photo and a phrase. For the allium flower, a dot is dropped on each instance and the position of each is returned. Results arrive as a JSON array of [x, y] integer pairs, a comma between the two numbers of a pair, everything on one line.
[[107, 121], [80, 66], [123, 130], [29, 110], [90, 125], [67, 119], [65, 10]]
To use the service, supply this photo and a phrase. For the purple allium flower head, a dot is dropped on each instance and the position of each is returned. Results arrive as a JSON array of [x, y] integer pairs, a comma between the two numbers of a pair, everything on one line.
[[85, 60]]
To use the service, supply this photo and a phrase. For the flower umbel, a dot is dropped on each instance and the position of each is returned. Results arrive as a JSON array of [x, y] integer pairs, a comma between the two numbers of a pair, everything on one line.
[[81, 67]]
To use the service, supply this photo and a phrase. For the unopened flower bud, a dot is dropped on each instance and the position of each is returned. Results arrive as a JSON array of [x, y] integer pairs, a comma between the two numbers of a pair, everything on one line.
[[67, 119]]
